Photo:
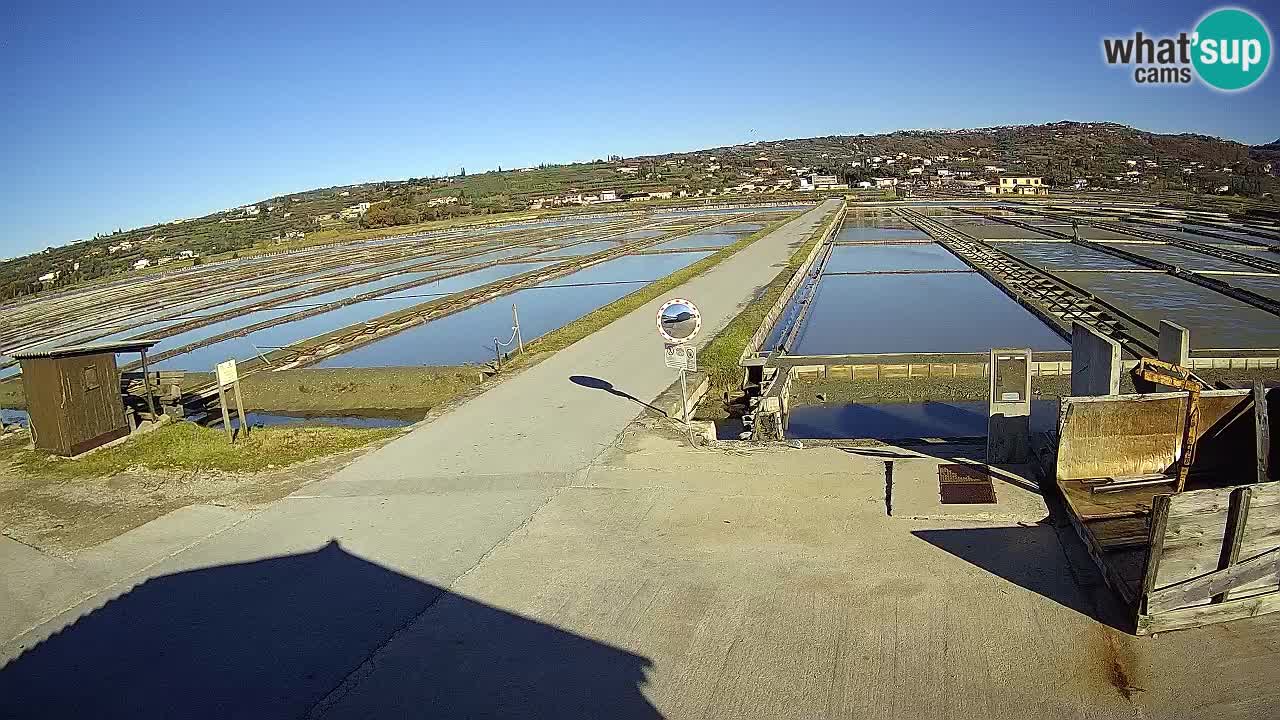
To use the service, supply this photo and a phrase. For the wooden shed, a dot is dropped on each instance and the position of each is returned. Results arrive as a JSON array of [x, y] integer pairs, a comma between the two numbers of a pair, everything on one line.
[[73, 395]]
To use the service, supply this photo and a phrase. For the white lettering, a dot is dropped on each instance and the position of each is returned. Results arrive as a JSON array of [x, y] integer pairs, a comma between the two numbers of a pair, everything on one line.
[[1209, 51], [1233, 57], [1252, 54]]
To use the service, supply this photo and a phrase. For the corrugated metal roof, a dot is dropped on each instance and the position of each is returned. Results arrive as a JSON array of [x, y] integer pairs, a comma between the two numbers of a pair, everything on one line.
[[89, 349]]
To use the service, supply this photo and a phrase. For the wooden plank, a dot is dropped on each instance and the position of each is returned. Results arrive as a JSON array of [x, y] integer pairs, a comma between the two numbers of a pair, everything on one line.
[[1198, 590], [1208, 614], [1128, 435], [1237, 517], [1198, 529], [1159, 521], [1132, 502], [1262, 431], [226, 417], [1110, 576], [1117, 533]]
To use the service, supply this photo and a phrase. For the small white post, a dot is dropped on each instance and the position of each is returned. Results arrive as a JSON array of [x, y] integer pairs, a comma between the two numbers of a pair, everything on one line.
[[515, 319]]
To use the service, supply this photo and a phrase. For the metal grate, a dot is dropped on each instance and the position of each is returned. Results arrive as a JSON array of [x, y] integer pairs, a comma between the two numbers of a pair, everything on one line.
[[961, 484]]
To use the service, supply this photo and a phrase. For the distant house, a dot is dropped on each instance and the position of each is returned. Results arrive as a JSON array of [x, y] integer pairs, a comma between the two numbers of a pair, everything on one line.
[[916, 171], [824, 182], [354, 211], [47, 277], [608, 196], [884, 182], [143, 263], [1017, 185], [864, 184], [628, 170]]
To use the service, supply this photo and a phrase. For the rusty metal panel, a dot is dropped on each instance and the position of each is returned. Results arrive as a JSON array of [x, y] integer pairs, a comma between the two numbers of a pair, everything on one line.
[[1128, 435], [963, 484]]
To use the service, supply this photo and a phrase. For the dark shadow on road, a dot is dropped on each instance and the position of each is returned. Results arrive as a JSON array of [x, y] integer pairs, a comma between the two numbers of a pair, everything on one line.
[[596, 383], [1030, 556], [272, 638]]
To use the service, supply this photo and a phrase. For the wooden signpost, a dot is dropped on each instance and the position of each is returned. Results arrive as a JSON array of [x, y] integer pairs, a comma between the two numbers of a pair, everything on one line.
[[228, 377]]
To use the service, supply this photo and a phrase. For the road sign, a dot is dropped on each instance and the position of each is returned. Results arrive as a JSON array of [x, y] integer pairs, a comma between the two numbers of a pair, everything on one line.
[[229, 377], [681, 357], [227, 372], [679, 321]]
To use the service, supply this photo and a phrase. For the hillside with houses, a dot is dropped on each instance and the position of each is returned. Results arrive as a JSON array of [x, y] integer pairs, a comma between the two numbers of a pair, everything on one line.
[[1056, 157]]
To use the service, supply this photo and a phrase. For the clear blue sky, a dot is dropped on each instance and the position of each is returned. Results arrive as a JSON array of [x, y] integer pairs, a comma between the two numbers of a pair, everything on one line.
[[149, 111]]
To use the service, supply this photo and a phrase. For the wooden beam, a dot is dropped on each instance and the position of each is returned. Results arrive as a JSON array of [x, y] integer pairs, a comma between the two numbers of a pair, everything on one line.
[[1195, 590], [1237, 518], [1262, 430], [1159, 521], [1199, 615], [151, 398]]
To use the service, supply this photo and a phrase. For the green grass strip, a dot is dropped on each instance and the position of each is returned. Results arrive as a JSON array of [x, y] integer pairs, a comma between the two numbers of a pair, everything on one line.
[[719, 359], [598, 318], [187, 446]]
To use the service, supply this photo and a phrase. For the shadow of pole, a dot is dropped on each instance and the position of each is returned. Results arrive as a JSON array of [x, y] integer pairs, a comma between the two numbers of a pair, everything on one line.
[[273, 638], [596, 383]]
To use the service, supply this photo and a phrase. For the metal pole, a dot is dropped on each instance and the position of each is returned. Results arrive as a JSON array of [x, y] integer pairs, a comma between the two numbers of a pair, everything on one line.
[[515, 318], [497, 352], [684, 393]]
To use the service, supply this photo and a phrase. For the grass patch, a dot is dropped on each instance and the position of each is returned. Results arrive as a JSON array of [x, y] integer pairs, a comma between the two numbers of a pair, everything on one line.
[[324, 390], [598, 318], [719, 359], [187, 446]]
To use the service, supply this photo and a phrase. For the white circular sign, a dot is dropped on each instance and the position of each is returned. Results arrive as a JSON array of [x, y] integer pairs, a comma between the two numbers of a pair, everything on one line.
[[679, 321]]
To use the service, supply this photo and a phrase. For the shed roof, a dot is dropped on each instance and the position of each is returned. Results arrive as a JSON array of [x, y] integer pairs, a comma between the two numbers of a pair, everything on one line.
[[89, 349]]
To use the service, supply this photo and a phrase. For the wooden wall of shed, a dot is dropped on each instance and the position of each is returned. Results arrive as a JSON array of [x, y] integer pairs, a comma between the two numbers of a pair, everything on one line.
[[1127, 435], [69, 417], [41, 381]]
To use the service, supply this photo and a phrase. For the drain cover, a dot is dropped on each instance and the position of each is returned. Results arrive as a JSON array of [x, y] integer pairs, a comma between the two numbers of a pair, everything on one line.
[[961, 484]]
